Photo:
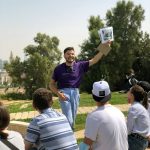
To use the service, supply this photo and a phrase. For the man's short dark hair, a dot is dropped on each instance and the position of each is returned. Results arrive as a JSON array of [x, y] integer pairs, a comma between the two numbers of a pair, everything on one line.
[[42, 98], [68, 49]]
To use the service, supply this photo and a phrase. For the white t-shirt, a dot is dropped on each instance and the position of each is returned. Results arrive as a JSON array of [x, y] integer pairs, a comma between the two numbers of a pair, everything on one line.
[[16, 139], [106, 126]]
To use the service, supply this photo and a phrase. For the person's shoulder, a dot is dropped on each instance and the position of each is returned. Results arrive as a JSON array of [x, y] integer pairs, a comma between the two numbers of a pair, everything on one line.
[[95, 117], [115, 108], [59, 66], [136, 108], [34, 121], [57, 113], [136, 105], [14, 134], [81, 61], [112, 108], [95, 113], [91, 117], [50, 113], [117, 111]]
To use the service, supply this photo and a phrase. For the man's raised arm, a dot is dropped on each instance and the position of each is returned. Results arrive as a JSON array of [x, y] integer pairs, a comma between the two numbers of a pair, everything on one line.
[[104, 49]]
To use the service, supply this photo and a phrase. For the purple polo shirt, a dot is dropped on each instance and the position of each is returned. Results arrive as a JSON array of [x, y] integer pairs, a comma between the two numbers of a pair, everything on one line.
[[70, 79]]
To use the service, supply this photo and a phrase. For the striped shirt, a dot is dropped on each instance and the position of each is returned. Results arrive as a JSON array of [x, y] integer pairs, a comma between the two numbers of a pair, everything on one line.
[[51, 131]]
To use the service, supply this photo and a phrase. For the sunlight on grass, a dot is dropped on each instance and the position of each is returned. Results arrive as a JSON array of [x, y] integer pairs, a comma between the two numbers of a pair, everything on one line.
[[80, 122], [79, 140], [85, 100], [17, 107], [118, 98]]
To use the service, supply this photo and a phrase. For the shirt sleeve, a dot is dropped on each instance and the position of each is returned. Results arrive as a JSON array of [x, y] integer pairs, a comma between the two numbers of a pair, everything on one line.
[[54, 75], [85, 65], [91, 128], [33, 132], [131, 119]]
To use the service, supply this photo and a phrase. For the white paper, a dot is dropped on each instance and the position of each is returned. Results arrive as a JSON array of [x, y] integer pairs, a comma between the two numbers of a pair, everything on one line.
[[106, 34]]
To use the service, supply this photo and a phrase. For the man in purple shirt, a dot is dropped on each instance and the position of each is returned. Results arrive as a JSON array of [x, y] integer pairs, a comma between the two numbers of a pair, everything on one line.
[[67, 77]]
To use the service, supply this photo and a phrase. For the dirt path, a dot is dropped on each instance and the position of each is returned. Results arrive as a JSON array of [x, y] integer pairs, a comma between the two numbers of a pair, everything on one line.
[[81, 110], [8, 102], [122, 107]]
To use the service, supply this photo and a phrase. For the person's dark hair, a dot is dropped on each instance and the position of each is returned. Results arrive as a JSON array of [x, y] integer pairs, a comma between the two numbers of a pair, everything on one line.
[[101, 99], [4, 120], [130, 72], [68, 49], [42, 99], [140, 95], [145, 85]]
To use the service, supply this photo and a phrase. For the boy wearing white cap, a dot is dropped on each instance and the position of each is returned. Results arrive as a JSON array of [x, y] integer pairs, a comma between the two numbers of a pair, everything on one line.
[[106, 126]]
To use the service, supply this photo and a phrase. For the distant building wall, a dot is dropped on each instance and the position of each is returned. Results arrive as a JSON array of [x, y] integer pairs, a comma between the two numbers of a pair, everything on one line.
[[4, 77]]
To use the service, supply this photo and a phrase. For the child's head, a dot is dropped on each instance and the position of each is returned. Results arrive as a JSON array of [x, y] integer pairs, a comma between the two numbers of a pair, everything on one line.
[[137, 94], [42, 99], [101, 92], [4, 120]]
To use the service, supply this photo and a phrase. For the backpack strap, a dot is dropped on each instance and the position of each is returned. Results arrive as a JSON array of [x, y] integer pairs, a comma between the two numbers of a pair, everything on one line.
[[9, 144]]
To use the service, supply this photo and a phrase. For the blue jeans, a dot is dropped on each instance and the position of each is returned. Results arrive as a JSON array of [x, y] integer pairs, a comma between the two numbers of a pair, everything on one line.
[[137, 143], [70, 105]]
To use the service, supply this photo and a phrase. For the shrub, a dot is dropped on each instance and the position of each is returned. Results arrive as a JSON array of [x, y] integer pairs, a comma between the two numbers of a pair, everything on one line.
[[14, 96]]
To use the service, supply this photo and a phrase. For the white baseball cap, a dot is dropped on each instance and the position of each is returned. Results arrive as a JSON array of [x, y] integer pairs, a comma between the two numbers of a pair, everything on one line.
[[101, 91]]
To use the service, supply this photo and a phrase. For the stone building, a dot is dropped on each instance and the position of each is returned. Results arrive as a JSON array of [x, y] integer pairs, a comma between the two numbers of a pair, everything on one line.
[[4, 77]]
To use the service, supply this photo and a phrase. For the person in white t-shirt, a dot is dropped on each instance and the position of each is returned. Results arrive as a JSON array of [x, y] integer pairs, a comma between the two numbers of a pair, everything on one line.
[[105, 127]]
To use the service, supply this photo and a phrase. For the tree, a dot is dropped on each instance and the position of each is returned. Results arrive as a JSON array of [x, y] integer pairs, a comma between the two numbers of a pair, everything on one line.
[[141, 63], [88, 51], [35, 71], [126, 19], [14, 69]]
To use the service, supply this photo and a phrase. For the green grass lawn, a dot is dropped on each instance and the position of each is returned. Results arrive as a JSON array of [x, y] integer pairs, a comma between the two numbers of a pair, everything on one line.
[[79, 124], [85, 100], [17, 107], [117, 98]]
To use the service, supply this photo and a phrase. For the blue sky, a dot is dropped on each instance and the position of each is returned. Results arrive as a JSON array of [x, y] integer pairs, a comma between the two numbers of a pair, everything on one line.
[[21, 20]]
